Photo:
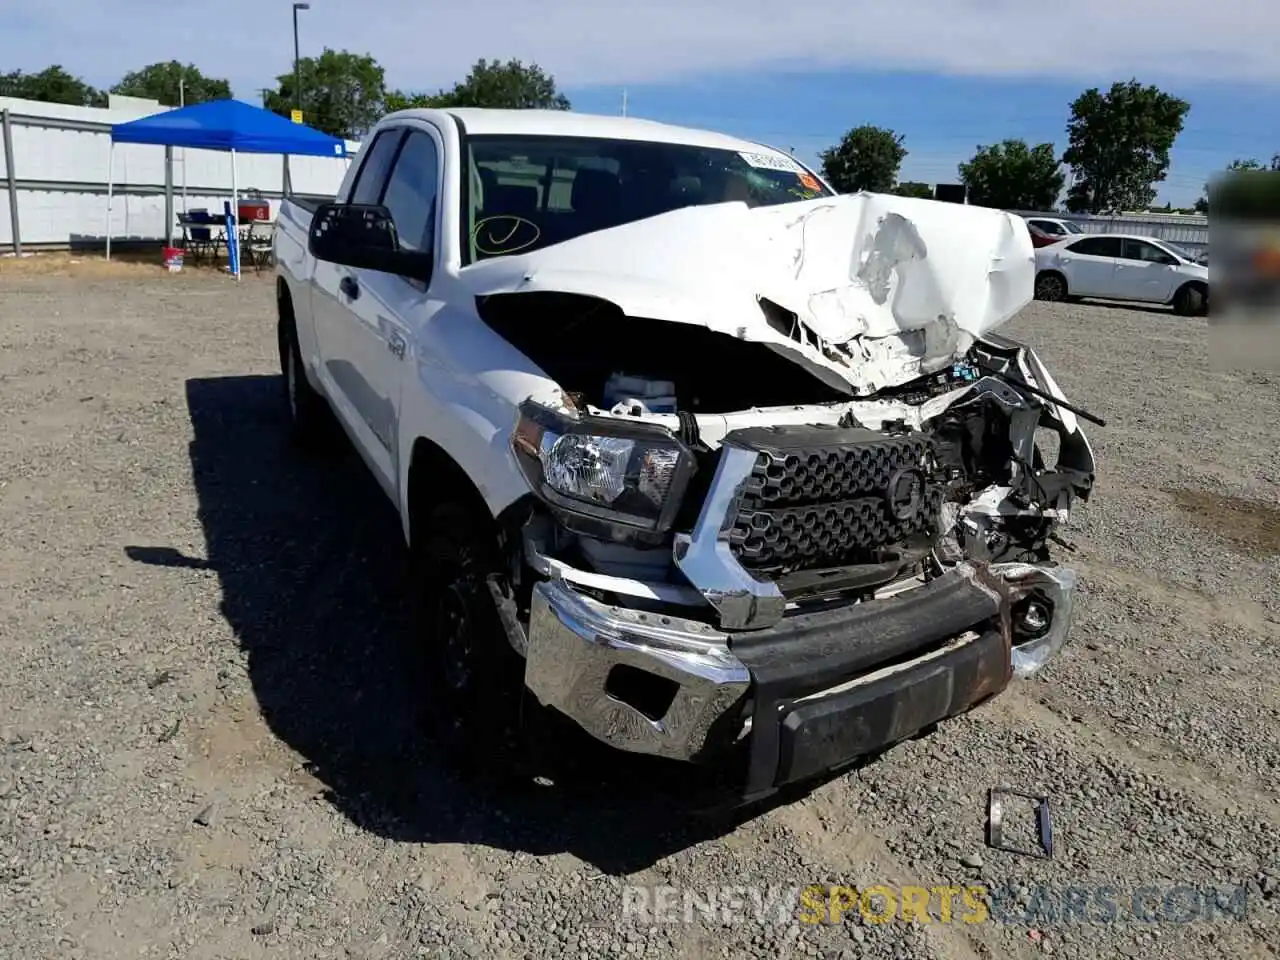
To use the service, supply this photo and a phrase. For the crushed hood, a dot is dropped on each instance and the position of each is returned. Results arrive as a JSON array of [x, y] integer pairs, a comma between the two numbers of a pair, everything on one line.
[[865, 290]]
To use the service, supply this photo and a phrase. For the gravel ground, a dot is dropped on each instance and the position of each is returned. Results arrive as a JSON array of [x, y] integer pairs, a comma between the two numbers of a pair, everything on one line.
[[209, 738]]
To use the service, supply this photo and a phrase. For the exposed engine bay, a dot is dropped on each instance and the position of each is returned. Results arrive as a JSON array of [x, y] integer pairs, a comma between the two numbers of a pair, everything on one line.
[[845, 497], [607, 344]]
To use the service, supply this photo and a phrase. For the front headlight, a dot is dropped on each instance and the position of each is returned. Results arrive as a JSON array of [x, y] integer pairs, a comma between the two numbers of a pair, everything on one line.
[[603, 476]]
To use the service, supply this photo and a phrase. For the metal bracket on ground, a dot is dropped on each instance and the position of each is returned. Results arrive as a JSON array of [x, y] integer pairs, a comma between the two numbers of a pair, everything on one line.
[[995, 822]]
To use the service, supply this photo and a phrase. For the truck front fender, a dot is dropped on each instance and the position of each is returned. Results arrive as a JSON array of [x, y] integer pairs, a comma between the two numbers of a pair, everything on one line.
[[466, 420]]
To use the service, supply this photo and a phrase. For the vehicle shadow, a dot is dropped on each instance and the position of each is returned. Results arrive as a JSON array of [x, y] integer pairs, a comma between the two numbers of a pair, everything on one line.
[[312, 567], [1132, 306]]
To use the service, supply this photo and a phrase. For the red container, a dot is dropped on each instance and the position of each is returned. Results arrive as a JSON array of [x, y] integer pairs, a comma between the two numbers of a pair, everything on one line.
[[254, 210]]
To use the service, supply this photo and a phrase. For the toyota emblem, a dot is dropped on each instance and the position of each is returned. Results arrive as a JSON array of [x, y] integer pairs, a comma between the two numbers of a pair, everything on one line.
[[904, 493]]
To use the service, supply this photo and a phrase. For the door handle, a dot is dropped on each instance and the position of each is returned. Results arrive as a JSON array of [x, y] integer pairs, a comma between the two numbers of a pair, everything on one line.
[[396, 344], [350, 286]]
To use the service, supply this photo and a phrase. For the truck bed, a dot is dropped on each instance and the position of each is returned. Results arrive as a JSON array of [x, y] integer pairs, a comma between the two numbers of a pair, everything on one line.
[[307, 202]]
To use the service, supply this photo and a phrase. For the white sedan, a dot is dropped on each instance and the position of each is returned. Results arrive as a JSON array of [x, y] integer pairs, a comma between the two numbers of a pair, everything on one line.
[[1114, 266]]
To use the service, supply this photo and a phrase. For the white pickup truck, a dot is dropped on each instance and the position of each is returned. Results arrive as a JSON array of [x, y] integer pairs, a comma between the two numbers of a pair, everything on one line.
[[721, 466]]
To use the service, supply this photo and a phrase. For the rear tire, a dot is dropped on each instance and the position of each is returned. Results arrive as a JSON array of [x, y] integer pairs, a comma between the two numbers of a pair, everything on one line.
[[1051, 286], [1190, 301], [475, 685]]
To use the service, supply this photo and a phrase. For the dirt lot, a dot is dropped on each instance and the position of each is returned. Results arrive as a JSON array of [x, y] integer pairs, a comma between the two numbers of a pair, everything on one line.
[[210, 729]]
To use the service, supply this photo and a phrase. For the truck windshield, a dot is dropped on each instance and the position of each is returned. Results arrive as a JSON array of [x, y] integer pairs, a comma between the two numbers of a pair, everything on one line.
[[528, 192]]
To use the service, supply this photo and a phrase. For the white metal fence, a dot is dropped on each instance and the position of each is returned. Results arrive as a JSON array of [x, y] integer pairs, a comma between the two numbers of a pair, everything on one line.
[[1191, 232], [53, 175]]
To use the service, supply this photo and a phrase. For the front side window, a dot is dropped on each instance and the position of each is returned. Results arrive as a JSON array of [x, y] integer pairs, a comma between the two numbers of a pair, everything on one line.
[[1146, 252], [1049, 227], [529, 192], [411, 192], [372, 176], [1071, 227]]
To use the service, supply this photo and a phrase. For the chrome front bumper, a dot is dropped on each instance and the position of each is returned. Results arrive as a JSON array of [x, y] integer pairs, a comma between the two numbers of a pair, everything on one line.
[[578, 647], [576, 643]]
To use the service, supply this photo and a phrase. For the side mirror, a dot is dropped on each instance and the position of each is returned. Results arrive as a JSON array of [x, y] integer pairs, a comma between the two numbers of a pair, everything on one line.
[[363, 235]]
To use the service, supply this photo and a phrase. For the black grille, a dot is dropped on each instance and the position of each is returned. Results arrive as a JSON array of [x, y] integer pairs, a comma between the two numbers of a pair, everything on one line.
[[819, 496]]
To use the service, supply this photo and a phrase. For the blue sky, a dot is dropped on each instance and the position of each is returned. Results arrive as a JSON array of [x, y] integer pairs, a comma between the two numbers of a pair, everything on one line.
[[944, 118], [947, 74]]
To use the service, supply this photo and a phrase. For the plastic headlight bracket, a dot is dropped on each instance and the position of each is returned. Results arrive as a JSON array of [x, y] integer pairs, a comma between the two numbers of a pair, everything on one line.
[[603, 476]]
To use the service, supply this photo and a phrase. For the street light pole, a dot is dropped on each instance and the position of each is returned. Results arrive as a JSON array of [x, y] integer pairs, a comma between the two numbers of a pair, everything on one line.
[[297, 69], [286, 178]]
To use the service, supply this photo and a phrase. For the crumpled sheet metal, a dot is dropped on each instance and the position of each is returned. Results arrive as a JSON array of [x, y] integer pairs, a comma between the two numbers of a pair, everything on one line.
[[883, 289]]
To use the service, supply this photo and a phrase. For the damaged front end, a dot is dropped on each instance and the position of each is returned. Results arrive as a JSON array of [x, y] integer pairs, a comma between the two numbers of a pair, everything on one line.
[[794, 587]]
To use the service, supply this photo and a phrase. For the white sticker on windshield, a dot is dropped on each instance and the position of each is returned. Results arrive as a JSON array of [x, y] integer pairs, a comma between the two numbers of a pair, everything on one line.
[[771, 161]]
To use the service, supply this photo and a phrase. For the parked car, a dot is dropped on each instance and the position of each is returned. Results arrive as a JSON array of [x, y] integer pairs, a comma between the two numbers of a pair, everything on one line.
[[666, 464], [1047, 230], [1113, 266]]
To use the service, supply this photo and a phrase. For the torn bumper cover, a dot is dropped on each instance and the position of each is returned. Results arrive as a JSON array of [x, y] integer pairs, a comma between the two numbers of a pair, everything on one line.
[[815, 692]]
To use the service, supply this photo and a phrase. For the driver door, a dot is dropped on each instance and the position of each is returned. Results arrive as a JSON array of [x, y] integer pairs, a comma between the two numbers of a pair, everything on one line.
[[389, 310], [1145, 272], [343, 312]]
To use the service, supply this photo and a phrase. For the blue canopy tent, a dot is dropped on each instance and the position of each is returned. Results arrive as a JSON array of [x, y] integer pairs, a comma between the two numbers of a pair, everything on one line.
[[229, 125]]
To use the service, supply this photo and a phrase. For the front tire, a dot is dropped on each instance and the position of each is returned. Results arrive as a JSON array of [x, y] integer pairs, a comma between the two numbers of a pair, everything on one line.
[[476, 680], [1190, 301], [308, 411]]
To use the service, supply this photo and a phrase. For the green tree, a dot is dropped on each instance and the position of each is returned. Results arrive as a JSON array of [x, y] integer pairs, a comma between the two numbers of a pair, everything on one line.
[[343, 93], [511, 86], [914, 188], [51, 85], [1013, 176], [1119, 144], [1255, 164], [400, 100], [172, 84], [866, 158]]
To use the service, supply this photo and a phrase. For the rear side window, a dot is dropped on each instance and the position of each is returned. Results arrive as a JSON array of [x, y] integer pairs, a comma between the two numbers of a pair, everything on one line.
[[1097, 246], [372, 175], [411, 192]]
